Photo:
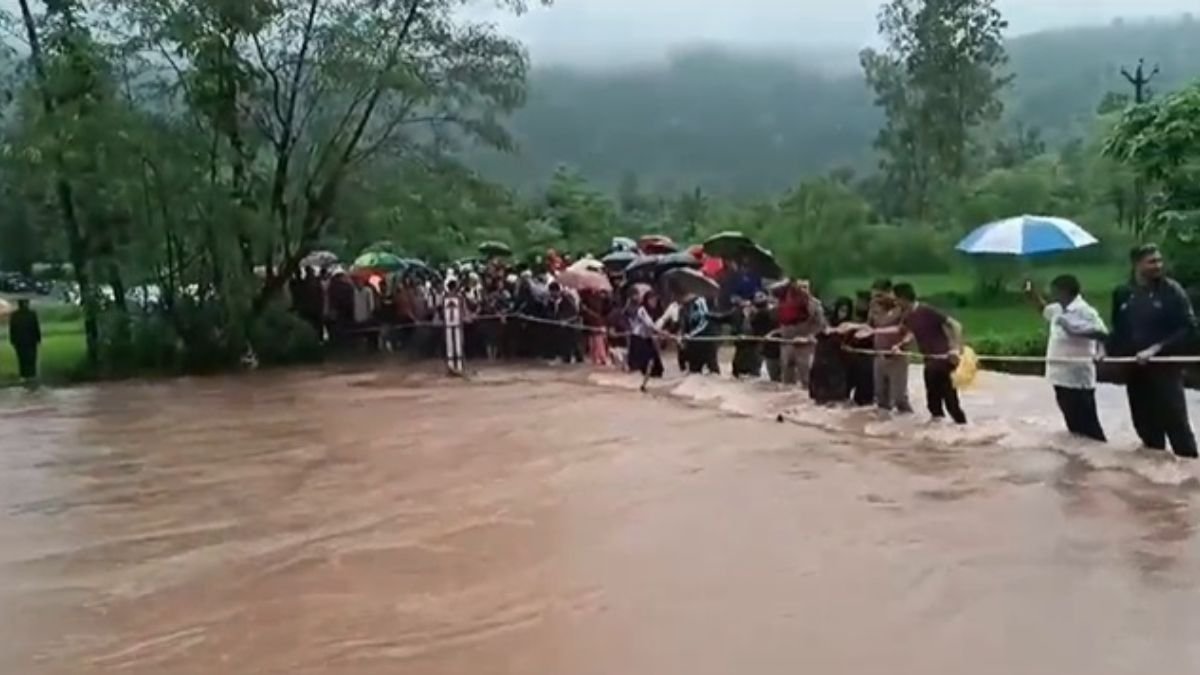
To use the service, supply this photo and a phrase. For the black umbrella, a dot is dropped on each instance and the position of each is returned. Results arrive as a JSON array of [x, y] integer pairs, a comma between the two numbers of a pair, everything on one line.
[[618, 260], [675, 261], [418, 268], [683, 281], [762, 261], [644, 266], [729, 244]]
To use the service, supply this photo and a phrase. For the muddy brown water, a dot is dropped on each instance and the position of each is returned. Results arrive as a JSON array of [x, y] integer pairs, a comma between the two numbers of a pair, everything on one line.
[[560, 523]]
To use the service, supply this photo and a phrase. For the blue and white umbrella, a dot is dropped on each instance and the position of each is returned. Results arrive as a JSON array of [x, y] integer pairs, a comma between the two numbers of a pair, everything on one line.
[[1026, 235]]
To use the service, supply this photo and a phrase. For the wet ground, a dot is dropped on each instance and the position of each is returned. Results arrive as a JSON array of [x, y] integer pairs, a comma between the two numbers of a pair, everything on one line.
[[558, 522]]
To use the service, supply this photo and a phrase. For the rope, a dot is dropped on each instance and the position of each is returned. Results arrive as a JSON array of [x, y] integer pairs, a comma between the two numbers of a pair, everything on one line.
[[990, 358]]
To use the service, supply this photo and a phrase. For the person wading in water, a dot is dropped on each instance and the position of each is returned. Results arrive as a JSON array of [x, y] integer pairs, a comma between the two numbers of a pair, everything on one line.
[[1152, 316], [939, 338], [1076, 330]]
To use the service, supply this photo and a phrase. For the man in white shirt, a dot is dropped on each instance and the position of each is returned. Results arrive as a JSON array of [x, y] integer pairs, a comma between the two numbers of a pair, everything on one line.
[[1076, 332]]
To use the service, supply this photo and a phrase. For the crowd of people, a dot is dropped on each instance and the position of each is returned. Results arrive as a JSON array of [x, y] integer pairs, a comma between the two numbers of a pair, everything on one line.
[[854, 351]]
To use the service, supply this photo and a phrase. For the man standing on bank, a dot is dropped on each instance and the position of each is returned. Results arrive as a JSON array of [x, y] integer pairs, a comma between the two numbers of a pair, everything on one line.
[[25, 335], [1152, 317], [1076, 332]]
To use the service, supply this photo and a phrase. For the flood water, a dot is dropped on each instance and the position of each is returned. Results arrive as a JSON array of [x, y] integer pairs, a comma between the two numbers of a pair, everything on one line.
[[555, 522]]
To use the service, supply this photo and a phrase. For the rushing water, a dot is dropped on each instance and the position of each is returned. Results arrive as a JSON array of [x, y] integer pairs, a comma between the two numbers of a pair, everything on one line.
[[552, 522]]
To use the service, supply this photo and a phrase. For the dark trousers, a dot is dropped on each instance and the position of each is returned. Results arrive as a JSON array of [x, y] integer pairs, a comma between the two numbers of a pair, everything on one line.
[[940, 393], [860, 369], [1159, 409], [701, 355], [644, 356], [27, 361], [1078, 408]]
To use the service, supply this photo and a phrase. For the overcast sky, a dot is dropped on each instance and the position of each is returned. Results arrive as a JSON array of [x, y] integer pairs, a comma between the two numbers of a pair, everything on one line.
[[615, 31]]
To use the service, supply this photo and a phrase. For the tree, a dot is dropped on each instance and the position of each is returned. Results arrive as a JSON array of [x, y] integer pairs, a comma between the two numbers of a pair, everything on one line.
[[1160, 141], [62, 79], [299, 96], [937, 80]]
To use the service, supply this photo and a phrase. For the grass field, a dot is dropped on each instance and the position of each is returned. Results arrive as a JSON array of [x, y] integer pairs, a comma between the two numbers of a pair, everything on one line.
[[63, 350], [1010, 317]]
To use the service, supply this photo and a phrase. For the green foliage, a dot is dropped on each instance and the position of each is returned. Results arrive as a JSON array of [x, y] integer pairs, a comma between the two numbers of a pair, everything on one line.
[[937, 80], [1160, 141], [279, 337]]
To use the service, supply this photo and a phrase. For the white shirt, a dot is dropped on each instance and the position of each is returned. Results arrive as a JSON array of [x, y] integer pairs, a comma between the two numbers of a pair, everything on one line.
[[1079, 317], [671, 315]]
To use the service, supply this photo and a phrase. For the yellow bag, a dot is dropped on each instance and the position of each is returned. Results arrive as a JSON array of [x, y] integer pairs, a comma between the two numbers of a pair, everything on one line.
[[968, 366]]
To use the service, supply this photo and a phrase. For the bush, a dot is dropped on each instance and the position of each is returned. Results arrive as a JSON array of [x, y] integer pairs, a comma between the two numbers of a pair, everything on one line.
[[904, 249], [279, 337], [137, 343]]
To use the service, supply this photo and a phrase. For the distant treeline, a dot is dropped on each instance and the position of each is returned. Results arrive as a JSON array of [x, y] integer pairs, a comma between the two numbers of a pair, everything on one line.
[[753, 125]]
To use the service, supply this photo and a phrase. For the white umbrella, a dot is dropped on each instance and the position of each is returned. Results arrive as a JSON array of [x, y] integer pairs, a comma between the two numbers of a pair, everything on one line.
[[1026, 235]]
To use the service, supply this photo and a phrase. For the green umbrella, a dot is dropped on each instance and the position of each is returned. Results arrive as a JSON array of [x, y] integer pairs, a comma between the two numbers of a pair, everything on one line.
[[495, 249], [729, 244], [380, 261]]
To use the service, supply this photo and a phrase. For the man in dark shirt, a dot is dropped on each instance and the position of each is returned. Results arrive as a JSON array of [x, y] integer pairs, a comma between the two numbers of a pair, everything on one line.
[[938, 337], [1152, 316], [25, 334]]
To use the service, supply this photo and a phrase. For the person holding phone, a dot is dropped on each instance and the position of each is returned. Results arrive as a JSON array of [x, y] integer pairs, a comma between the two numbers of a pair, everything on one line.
[[1076, 333]]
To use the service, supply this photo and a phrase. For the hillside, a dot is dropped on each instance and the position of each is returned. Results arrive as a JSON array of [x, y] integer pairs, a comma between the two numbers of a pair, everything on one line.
[[750, 124]]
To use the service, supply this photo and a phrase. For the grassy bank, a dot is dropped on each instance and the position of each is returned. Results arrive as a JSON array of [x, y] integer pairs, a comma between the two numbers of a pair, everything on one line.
[[63, 352], [1006, 322]]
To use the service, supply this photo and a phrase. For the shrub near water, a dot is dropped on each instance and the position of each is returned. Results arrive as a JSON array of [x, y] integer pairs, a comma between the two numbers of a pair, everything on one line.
[[279, 337]]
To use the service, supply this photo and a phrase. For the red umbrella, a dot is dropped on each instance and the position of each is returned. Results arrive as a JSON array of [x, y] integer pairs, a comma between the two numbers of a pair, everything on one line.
[[652, 244]]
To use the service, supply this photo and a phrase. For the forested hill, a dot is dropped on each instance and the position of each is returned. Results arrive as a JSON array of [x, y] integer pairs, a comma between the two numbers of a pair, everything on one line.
[[745, 124]]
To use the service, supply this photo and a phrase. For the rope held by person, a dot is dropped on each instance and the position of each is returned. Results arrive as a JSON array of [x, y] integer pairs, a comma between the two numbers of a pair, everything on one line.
[[993, 358]]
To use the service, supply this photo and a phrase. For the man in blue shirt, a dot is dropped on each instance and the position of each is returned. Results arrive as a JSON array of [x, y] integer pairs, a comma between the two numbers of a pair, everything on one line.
[[1152, 316]]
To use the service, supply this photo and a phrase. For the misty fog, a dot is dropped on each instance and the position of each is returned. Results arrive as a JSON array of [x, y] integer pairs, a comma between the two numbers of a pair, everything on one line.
[[616, 32]]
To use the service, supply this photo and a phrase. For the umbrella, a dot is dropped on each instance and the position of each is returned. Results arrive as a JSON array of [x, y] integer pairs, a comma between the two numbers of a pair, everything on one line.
[[729, 244], [676, 260], [320, 259], [379, 261], [419, 269], [622, 244], [1026, 235], [657, 244], [762, 261], [584, 280], [618, 260], [646, 265], [686, 281], [495, 249], [587, 265]]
